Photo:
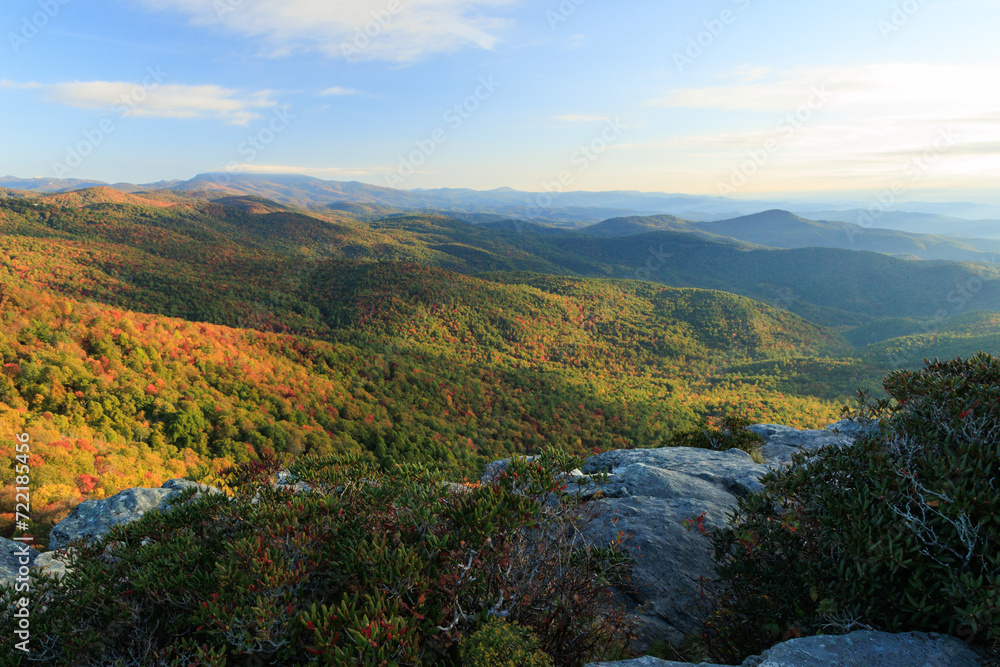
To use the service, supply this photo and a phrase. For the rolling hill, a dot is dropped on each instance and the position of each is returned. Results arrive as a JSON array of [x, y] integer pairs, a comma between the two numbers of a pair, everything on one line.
[[781, 229], [250, 250], [568, 209], [936, 339], [917, 223], [172, 332]]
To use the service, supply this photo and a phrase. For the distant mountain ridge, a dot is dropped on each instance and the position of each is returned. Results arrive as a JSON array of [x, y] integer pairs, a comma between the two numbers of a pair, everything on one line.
[[835, 287], [567, 209], [783, 229], [918, 223]]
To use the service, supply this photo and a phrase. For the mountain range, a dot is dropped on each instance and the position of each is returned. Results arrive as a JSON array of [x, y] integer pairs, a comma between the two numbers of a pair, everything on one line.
[[170, 330], [782, 229], [572, 209]]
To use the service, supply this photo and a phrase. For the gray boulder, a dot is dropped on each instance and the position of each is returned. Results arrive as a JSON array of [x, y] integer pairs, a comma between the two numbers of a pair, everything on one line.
[[650, 492], [647, 661], [93, 518], [783, 441], [285, 481], [53, 564], [11, 553], [857, 649], [494, 469], [869, 649], [670, 560], [733, 470], [855, 428]]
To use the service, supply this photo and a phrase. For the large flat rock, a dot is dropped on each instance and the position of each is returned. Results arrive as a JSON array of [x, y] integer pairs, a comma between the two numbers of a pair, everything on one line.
[[732, 470], [93, 518], [652, 492], [670, 559], [783, 441], [857, 649]]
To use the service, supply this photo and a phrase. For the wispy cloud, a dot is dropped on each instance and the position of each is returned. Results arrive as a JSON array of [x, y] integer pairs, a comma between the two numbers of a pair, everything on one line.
[[6, 84], [156, 100], [337, 90], [393, 30], [917, 88], [877, 120]]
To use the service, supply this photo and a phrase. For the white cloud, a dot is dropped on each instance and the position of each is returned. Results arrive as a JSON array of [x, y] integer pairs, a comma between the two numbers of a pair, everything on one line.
[[393, 30], [876, 123], [916, 88], [155, 100], [749, 74], [338, 90]]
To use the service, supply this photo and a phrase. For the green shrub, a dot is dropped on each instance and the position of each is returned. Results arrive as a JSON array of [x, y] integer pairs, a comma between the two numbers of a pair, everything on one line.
[[731, 433], [371, 567], [502, 644], [899, 532]]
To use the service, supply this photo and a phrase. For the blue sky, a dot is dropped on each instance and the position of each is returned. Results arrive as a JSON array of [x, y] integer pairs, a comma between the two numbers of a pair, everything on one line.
[[734, 97]]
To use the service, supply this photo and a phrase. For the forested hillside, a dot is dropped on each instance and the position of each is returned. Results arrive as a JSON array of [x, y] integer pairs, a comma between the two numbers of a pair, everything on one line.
[[146, 336], [781, 229]]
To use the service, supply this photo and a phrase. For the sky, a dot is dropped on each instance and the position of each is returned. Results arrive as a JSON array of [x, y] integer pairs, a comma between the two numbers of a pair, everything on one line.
[[741, 98]]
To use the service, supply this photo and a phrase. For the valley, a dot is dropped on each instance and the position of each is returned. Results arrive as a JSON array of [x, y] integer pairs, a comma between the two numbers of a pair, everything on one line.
[[155, 334]]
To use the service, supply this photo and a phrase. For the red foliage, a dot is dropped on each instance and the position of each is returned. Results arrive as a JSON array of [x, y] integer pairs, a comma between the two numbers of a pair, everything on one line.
[[86, 483]]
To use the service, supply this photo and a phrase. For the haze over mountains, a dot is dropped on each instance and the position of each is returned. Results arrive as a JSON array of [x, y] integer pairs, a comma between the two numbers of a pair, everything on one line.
[[782, 229], [833, 273], [569, 209]]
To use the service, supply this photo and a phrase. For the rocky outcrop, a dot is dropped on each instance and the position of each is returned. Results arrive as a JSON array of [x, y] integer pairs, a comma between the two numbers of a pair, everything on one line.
[[671, 472], [496, 468], [54, 564], [783, 441], [93, 518], [651, 492], [285, 481], [857, 649], [14, 555]]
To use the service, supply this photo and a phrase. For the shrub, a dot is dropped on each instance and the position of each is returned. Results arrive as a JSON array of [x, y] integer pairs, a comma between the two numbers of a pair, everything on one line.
[[558, 584], [372, 567], [502, 644], [899, 532], [731, 433]]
